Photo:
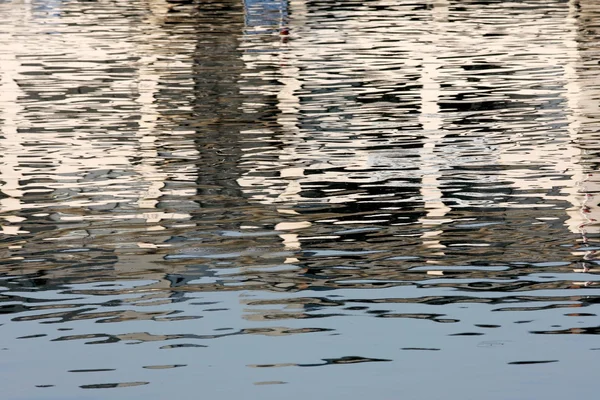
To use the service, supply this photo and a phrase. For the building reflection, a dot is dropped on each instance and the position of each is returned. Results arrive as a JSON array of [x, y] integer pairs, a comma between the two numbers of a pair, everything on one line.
[[365, 139], [260, 121], [583, 102], [102, 185]]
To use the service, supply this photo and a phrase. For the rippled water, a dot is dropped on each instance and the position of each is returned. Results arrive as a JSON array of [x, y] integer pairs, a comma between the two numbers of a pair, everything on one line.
[[203, 199]]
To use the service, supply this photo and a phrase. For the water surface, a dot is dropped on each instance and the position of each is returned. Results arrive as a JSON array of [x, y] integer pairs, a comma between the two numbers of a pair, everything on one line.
[[308, 198]]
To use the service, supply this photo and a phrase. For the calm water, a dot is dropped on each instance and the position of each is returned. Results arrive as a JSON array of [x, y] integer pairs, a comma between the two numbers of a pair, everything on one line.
[[271, 199]]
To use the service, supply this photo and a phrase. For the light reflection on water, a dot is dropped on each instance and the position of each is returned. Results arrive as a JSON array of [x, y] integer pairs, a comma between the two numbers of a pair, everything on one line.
[[208, 198]]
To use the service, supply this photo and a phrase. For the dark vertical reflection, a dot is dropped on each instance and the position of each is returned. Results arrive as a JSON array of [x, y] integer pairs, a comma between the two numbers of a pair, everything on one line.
[[217, 118]]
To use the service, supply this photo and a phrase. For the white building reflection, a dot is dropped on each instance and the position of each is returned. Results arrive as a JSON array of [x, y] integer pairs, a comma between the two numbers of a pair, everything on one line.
[[324, 66], [584, 106], [102, 174]]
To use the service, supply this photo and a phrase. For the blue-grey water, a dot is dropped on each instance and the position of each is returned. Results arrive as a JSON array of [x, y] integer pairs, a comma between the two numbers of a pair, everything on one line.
[[270, 199]]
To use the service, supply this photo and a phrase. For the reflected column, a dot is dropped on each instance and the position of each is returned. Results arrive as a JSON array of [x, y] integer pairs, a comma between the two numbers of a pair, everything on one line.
[[10, 138], [583, 94], [431, 121]]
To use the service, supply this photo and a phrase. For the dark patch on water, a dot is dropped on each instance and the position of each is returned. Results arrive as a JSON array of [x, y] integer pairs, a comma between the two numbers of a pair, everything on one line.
[[531, 362], [421, 348]]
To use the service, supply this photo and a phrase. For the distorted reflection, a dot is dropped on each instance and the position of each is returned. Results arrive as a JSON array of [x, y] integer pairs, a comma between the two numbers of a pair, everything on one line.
[[194, 194]]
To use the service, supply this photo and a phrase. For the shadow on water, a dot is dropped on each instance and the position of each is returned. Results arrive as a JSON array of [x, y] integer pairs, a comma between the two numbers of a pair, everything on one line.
[[194, 194]]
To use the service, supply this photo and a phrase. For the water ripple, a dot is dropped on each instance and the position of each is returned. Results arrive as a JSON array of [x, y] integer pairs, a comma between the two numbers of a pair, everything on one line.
[[237, 186]]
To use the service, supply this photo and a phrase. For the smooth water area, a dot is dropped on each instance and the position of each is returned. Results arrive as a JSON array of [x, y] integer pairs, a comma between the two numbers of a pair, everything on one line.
[[289, 199]]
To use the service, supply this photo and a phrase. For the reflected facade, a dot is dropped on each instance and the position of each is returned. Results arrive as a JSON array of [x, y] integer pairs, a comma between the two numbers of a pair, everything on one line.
[[246, 197]]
